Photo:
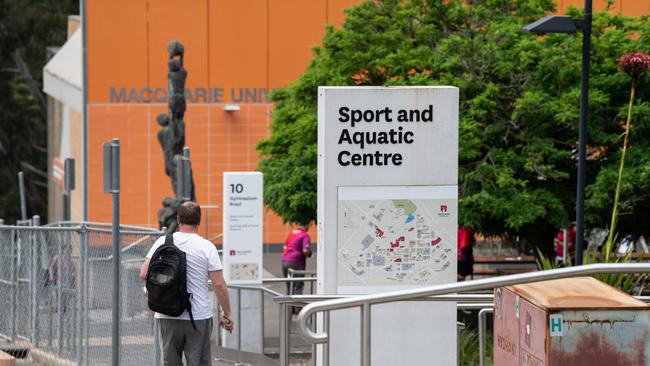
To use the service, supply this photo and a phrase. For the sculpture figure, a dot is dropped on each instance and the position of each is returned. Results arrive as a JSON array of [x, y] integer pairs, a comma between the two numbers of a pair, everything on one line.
[[171, 135]]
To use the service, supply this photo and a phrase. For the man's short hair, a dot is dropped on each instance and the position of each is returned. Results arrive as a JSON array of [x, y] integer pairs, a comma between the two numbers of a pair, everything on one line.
[[189, 213]]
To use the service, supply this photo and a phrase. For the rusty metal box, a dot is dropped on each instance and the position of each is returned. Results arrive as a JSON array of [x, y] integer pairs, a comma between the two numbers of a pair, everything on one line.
[[576, 321]]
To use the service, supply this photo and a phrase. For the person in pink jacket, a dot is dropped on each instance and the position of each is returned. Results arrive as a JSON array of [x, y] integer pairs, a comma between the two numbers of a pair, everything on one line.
[[297, 248]]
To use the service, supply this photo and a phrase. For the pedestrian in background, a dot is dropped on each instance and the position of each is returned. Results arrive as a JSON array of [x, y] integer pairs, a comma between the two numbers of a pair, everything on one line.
[[465, 255], [571, 244], [178, 334], [297, 248]]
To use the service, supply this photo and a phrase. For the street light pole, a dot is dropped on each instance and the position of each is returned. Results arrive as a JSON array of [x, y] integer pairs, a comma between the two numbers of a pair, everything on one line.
[[582, 132], [564, 24]]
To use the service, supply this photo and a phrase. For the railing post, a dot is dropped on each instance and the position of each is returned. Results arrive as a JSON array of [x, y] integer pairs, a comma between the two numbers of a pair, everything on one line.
[[262, 316], [313, 346], [459, 327], [238, 319], [285, 318], [326, 345], [365, 334], [482, 330]]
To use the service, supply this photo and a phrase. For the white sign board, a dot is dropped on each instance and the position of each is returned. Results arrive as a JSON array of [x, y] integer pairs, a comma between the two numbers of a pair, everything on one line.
[[242, 227], [387, 216]]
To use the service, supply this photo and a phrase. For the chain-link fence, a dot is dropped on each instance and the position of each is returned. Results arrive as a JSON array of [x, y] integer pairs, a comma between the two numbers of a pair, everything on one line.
[[56, 292]]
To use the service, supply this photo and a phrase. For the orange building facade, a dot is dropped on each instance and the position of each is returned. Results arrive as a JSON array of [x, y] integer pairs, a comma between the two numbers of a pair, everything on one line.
[[235, 53]]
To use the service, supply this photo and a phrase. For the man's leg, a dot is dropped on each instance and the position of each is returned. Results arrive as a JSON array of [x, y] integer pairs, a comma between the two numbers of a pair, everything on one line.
[[171, 333], [197, 347]]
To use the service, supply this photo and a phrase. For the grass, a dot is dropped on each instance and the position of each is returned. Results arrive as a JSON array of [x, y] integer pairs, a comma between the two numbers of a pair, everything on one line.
[[469, 352]]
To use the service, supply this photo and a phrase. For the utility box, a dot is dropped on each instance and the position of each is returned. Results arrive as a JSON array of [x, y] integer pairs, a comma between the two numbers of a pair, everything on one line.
[[576, 321]]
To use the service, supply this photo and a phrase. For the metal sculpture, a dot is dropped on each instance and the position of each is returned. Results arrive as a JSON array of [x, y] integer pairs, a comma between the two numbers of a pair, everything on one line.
[[171, 137]]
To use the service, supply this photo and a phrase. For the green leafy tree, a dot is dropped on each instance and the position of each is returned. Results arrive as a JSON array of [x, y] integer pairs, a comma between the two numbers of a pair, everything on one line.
[[518, 113], [27, 27]]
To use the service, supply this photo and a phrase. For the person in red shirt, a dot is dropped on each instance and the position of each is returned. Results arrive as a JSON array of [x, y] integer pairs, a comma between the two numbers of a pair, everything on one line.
[[571, 243], [465, 257], [297, 248]]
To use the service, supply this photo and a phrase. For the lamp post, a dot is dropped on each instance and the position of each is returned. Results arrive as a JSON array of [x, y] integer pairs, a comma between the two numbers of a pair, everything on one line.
[[565, 24]]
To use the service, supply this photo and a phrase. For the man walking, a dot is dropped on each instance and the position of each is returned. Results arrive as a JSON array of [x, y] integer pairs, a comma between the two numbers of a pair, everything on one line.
[[178, 335]]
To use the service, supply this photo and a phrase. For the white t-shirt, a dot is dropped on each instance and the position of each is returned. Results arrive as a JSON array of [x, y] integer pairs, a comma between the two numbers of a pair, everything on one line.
[[202, 257]]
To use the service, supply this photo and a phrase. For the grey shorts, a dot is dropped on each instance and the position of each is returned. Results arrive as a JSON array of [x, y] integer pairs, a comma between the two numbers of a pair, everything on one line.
[[178, 337]]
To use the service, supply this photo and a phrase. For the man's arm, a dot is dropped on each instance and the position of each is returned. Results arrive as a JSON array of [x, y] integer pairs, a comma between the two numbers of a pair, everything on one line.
[[144, 269], [221, 290]]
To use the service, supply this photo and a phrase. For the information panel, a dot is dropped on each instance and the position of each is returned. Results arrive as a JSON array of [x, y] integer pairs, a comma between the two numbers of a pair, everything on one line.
[[388, 216], [242, 223], [396, 237]]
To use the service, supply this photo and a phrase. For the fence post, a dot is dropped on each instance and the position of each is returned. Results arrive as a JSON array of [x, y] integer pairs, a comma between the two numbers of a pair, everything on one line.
[[14, 285], [34, 281], [68, 187], [115, 175], [86, 295], [59, 297], [81, 279], [21, 189], [111, 184]]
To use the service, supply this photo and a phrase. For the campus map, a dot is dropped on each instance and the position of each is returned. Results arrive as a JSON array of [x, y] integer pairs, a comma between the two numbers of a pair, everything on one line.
[[244, 271], [395, 241]]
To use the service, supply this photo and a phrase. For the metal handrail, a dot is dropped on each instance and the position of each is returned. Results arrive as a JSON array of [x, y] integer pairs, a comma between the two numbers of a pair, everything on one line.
[[481, 284], [255, 287], [288, 279], [39, 228], [308, 299], [292, 272], [100, 224]]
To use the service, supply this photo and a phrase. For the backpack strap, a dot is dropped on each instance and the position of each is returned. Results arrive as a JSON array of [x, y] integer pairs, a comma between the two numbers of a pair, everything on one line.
[[169, 239], [189, 310]]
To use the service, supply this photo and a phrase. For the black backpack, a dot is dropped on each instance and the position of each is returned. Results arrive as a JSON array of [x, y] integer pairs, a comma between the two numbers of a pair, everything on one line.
[[167, 281]]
